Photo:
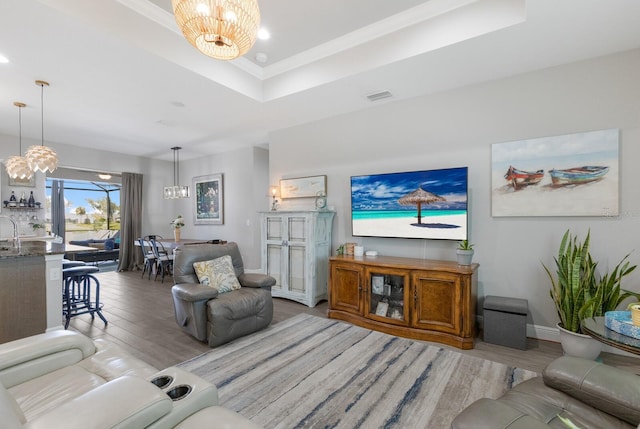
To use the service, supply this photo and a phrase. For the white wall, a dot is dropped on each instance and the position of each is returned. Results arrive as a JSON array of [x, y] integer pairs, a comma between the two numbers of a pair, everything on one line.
[[245, 180], [246, 186], [457, 128]]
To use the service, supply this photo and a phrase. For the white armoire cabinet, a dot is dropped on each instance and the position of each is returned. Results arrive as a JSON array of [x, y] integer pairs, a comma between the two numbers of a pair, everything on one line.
[[296, 246]]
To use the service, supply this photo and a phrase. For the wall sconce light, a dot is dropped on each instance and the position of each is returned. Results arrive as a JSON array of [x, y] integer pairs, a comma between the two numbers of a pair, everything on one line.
[[274, 201]]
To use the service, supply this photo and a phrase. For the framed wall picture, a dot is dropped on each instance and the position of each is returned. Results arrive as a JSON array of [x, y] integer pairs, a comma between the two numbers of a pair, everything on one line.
[[567, 175], [303, 187], [381, 308], [377, 284], [209, 200]]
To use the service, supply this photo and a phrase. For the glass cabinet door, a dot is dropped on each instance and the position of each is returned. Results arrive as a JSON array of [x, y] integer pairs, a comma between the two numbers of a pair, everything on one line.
[[275, 240], [274, 263], [286, 253], [296, 249], [274, 228], [297, 268], [387, 295]]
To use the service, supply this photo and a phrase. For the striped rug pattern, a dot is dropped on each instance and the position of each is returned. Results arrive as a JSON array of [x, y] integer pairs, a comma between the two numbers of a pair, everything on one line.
[[310, 372]]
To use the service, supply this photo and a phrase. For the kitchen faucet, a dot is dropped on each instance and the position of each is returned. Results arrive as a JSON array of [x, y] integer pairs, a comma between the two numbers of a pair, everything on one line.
[[16, 236]]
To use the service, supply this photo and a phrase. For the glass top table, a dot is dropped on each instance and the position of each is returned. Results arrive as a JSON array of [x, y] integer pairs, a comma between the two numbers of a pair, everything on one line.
[[595, 327]]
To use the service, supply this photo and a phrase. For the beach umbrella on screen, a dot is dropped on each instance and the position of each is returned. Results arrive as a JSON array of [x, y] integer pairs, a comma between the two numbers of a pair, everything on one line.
[[419, 197]]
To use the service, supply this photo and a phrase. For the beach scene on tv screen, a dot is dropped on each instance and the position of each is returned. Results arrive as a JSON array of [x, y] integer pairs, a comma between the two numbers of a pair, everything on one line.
[[428, 204]]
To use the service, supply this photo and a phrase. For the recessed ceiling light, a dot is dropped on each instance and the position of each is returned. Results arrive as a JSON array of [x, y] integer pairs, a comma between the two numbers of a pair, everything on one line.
[[261, 57], [263, 34], [104, 176], [3, 59]]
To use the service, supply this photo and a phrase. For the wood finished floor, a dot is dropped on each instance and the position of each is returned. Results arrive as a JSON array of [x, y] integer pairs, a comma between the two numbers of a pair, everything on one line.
[[141, 320]]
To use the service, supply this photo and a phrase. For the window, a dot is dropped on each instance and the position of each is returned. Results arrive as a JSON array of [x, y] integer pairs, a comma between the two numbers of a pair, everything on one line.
[[92, 209]]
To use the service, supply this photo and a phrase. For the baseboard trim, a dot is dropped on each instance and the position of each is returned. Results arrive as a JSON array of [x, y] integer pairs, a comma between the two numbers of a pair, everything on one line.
[[547, 333]]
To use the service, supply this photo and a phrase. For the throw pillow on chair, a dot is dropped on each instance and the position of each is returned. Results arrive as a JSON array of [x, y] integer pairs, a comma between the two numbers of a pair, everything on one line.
[[217, 273]]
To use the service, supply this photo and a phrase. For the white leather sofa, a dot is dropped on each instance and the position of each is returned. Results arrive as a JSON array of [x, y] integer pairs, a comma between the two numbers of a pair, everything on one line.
[[62, 379]]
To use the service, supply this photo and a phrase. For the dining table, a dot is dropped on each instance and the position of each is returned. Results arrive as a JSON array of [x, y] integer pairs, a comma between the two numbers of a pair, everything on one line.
[[168, 243]]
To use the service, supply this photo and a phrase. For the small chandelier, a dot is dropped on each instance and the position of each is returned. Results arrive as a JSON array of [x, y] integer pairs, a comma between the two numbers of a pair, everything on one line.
[[176, 191], [42, 158], [222, 29], [17, 166]]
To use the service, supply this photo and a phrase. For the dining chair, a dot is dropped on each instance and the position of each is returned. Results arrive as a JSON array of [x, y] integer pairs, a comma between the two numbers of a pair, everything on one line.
[[163, 259], [148, 254]]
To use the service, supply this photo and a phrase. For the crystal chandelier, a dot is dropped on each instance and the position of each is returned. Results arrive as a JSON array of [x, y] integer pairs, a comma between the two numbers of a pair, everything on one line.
[[17, 166], [176, 191], [222, 29], [42, 158]]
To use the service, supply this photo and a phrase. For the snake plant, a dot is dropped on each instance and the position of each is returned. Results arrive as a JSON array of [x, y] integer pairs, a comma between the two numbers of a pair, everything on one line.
[[578, 292]]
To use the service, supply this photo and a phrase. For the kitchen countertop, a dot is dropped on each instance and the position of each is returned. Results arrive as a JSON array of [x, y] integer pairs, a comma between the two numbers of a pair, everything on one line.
[[37, 248]]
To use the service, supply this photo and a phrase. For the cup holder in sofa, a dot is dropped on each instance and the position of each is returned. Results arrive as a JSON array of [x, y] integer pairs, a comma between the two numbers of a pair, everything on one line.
[[179, 392], [162, 381]]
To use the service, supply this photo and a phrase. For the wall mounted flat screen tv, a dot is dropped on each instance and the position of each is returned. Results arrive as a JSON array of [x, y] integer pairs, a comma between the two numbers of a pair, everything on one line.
[[428, 204]]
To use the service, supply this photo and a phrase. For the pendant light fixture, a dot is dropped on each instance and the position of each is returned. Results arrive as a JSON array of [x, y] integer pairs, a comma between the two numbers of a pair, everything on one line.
[[42, 158], [176, 191], [17, 166], [222, 29]]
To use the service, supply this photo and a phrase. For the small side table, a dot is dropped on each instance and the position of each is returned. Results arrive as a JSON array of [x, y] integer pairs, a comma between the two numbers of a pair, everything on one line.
[[597, 329]]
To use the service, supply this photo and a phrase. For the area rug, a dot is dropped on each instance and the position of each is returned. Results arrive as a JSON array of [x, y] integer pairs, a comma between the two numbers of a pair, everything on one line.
[[311, 372]]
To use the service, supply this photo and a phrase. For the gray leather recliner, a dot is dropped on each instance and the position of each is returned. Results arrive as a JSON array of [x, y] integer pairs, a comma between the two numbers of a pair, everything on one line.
[[588, 393], [219, 318]]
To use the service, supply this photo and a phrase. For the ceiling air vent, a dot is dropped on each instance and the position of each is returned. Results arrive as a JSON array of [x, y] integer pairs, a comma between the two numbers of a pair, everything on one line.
[[379, 95]]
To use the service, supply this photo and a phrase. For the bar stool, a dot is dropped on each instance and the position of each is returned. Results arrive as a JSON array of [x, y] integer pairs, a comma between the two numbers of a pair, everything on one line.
[[67, 263], [79, 284]]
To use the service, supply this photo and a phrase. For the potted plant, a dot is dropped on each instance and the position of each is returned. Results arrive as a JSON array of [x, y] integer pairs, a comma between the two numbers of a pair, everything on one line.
[[579, 293], [37, 227], [464, 253]]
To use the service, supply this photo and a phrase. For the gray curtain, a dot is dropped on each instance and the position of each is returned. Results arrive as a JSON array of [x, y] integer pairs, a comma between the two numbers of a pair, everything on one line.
[[57, 208], [130, 221]]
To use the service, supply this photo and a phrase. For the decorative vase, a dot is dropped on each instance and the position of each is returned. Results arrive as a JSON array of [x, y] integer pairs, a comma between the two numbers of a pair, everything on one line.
[[579, 345], [464, 257], [176, 234]]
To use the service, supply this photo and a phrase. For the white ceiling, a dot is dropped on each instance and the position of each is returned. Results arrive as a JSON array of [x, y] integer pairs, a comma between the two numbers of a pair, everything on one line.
[[124, 79]]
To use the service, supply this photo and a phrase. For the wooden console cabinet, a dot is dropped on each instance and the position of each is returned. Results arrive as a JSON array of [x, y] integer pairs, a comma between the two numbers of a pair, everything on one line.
[[415, 298]]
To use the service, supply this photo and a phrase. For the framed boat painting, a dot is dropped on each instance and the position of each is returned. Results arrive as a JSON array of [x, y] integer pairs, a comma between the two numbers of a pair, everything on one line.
[[209, 202], [568, 175]]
